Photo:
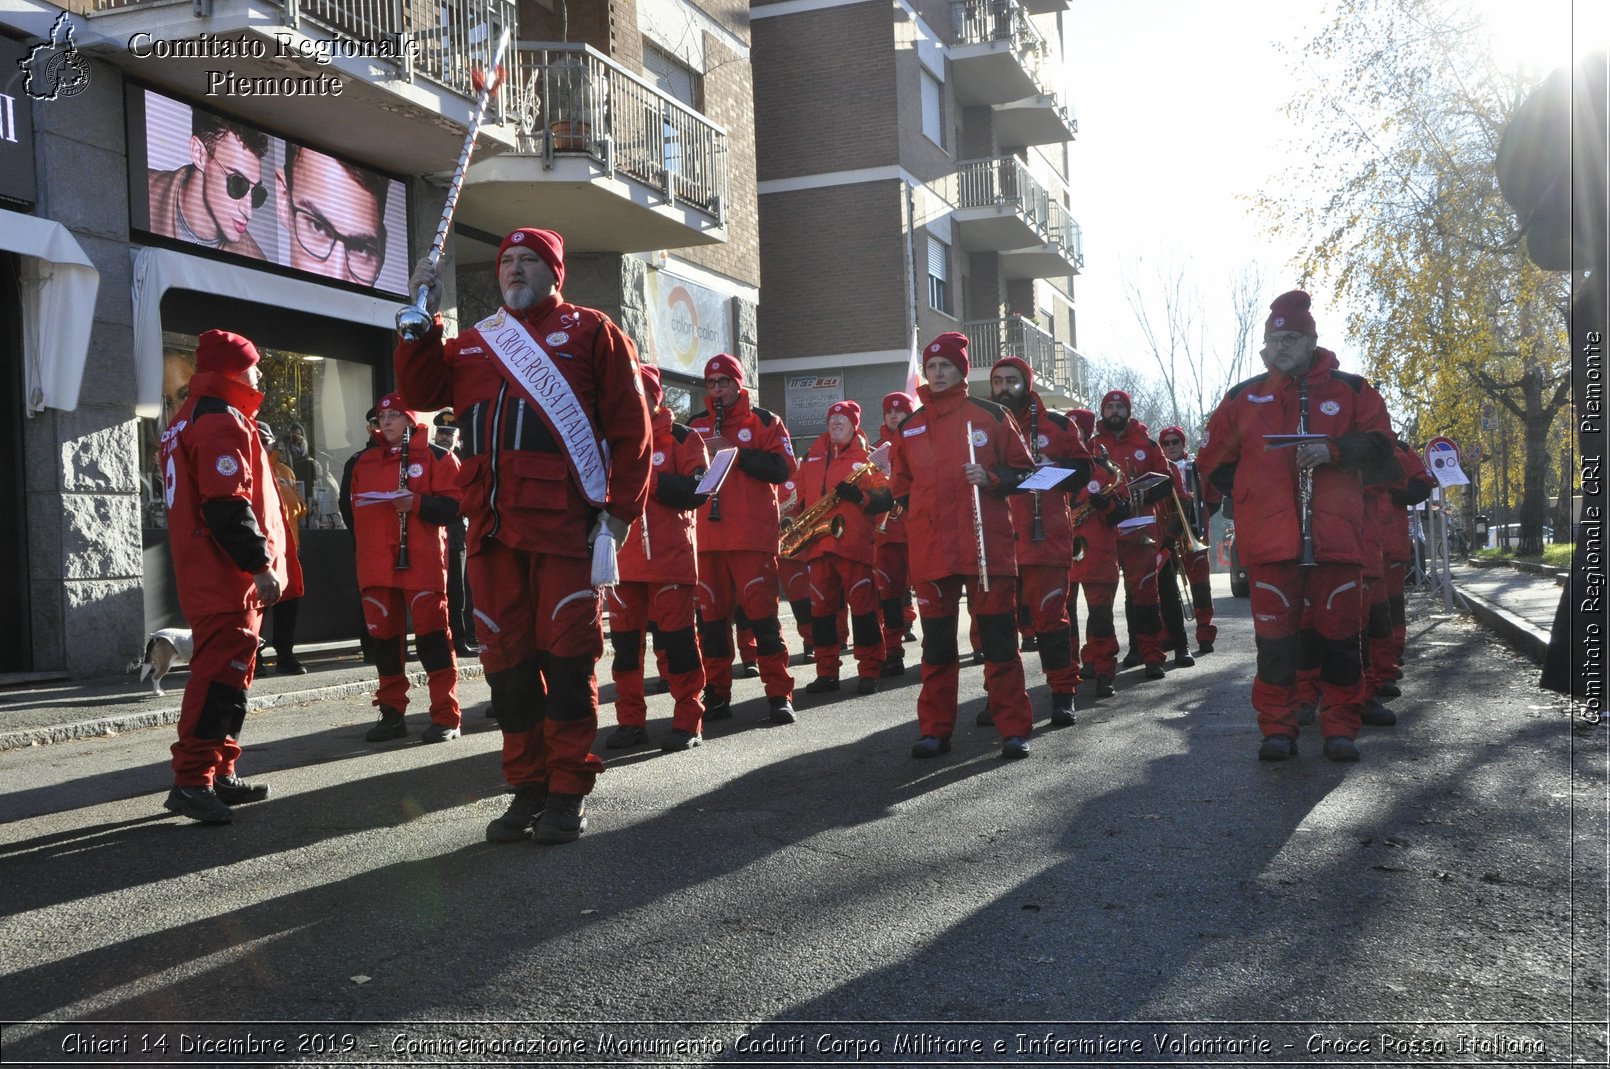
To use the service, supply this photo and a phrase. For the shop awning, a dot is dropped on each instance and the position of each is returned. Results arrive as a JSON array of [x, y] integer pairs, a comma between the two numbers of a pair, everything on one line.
[[156, 271], [58, 308]]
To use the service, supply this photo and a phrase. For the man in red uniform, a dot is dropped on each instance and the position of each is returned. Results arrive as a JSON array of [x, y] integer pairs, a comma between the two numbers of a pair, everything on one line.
[[890, 565], [1415, 486], [1283, 521], [954, 462], [658, 580], [556, 455], [738, 540], [1095, 562], [227, 533], [421, 479], [1200, 499], [841, 564], [1132, 449], [1043, 528]]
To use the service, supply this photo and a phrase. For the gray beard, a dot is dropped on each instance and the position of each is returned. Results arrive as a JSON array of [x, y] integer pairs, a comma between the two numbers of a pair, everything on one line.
[[519, 296]]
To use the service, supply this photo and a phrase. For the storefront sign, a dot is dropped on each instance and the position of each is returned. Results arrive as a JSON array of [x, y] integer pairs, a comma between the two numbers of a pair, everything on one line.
[[688, 323], [809, 398], [17, 183]]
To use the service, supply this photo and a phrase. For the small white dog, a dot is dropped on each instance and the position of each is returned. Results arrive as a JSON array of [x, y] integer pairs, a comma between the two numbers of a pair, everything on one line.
[[164, 649]]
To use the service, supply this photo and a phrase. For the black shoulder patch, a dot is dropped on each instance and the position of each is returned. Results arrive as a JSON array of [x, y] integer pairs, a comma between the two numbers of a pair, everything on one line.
[[1357, 382], [905, 419], [1058, 419], [214, 406], [765, 416], [436, 451], [991, 407], [680, 432], [1244, 385]]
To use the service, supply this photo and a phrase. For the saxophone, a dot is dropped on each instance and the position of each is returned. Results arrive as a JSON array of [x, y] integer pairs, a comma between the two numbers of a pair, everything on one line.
[[812, 524]]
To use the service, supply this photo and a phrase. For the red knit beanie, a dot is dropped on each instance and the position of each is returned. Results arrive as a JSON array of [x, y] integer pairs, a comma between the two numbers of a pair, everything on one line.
[[393, 402], [1289, 311], [1022, 366], [1084, 419], [950, 345], [651, 382], [219, 350], [899, 402], [1117, 395], [725, 364], [545, 243], [1166, 431], [846, 408]]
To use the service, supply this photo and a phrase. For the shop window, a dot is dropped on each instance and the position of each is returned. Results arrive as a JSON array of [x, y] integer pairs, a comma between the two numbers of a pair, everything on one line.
[[314, 404]]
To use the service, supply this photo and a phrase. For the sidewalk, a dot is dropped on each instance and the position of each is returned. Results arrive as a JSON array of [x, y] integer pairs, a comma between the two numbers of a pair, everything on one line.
[[1517, 602]]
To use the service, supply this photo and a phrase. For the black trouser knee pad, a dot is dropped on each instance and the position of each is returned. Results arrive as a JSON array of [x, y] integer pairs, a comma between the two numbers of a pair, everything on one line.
[[517, 696], [1277, 660], [939, 640], [570, 686], [997, 633], [824, 632], [893, 615], [768, 636], [716, 638], [1341, 661], [223, 711], [739, 620], [1309, 650], [1398, 610], [1145, 620], [1099, 624], [628, 650], [1056, 648], [435, 651], [1380, 620], [802, 611], [681, 650], [864, 630], [389, 655]]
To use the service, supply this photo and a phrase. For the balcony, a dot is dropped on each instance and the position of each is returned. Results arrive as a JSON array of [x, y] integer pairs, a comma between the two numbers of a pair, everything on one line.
[[406, 94], [995, 52], [1060, 254], [602, 155], [1075, 367], [1045, 7], [1038, 120], [991, 340]]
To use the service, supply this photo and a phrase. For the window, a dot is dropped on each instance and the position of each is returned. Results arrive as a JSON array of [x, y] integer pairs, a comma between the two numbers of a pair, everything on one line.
[[938, 275], [933, 109], [670, 75]]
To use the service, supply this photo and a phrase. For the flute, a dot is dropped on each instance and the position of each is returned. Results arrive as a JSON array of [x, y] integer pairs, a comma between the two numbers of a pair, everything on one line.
[[978, 516]]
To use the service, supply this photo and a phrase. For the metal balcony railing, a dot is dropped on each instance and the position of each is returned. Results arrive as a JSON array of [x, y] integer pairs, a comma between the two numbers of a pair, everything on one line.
[[1066, 235], [1075, 372], [443, 41], [975, 22], [991, 340], [1005, 182], [571, 99]]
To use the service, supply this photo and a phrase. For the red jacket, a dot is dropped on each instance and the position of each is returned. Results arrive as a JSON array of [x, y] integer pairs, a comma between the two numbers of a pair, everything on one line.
[[433, 475], [1263, 482], [927, 462], [1413, 488], [891, 526], [1061, 446], [748, 497], [667, 555], [225, 520], [819, 474], [1136, 454], [517, 484]]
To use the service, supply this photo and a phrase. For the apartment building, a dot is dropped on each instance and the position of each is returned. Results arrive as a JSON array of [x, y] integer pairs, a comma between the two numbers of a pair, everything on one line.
[[913, 157], [275, 167]]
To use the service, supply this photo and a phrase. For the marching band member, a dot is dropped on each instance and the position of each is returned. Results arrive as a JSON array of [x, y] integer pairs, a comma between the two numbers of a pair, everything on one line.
[[794, 576], [1095, 565], [658, 581], [1415, 486], [402, 566], [958, 456], [841, 562], [1201, 500], [891, 567], [1132, 449], [556, 455], [1299, 514], [738, 540], [1043, 528]]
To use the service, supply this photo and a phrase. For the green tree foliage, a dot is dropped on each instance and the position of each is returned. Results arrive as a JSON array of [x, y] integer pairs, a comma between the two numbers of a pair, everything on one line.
[[1398, 205]]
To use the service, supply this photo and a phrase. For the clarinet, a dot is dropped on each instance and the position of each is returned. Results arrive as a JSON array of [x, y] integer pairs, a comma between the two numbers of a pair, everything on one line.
[[402, 517], [1305, 487], [1037, 532], [715, 498]]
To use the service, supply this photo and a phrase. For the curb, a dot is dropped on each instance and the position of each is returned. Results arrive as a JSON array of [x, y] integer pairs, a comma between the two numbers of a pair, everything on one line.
[[104, 727], [1515, 631]]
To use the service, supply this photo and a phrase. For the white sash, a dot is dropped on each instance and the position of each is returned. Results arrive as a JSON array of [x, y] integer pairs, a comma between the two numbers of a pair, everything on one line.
[[532, 371]]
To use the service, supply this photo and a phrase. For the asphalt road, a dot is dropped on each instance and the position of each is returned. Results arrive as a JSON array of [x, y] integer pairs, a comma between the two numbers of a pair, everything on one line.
[[1140, 889]]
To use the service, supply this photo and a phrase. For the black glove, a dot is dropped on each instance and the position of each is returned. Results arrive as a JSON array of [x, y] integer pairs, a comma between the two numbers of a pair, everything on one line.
[[850, 492], [1119, 511]]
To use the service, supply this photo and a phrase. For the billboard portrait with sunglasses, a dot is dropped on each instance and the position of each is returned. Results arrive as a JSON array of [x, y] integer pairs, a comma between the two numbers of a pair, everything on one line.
[[220, 183]]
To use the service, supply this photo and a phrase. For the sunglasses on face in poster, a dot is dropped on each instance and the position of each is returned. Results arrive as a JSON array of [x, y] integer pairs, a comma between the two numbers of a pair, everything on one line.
[[237, 185]]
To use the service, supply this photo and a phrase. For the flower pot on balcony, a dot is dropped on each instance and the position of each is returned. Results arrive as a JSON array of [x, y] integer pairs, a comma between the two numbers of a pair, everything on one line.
[[571, 135]]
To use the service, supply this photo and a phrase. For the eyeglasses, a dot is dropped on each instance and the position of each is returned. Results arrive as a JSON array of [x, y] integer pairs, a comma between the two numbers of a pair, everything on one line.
[[364, 252], [238, 185], [717, 384], [1173, 441]]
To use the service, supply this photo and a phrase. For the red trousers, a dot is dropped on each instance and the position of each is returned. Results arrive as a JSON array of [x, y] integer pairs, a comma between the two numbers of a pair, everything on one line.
[[1396, 579], [996, 615], [214, 706], [835, 581], [667, 610], [1044, 591], [795, 576], [1139, 562], [541, 634], [891, 568], [1380, 663], [1332, 595], [386, 612], [748, 580], [1199, 573]]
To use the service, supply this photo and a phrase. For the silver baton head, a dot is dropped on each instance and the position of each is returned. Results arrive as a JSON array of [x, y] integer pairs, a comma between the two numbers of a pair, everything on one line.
[[413, 322]]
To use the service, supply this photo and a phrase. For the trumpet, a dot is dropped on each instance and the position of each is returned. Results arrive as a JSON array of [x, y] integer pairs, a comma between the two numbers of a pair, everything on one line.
[[810, 525]]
